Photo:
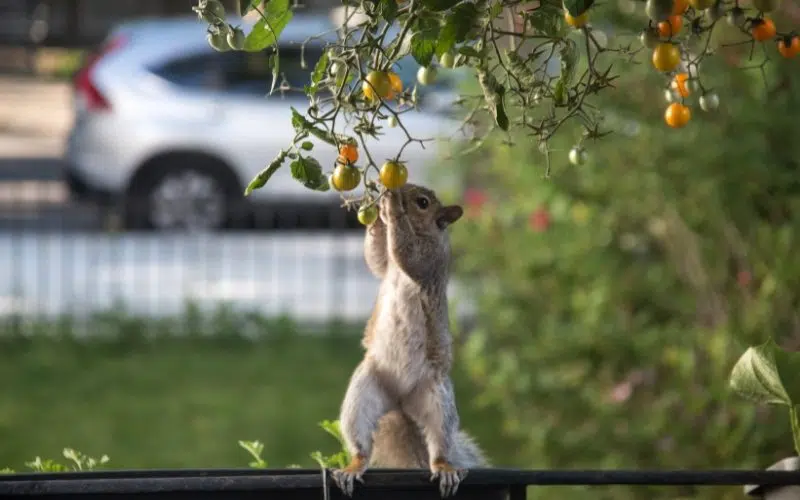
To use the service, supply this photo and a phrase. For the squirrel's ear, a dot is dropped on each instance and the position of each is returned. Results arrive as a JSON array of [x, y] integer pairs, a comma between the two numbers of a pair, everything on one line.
[[448, 215]]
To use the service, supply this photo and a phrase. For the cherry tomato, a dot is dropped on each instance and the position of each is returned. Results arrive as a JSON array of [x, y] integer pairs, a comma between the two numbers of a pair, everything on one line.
[[236, 39], [763, 29], [679, 84], [395, 85], [345, 177], [367, 214], [393, 174], [349, 152], [666, 57], [577, 21], [677, 115], [671, 26], [376, 85], [426, 75], [789, 46]]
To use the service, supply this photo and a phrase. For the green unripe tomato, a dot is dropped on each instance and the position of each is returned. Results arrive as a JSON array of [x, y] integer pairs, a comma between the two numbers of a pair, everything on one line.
[[218, 41], [367, 215], [447, 60], [426, 75], [236, 39]]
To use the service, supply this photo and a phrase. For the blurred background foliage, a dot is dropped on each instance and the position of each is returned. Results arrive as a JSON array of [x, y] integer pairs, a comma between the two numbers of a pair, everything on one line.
[[614, 298]]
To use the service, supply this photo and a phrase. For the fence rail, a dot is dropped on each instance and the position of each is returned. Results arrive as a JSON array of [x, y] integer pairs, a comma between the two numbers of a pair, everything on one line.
[[384, 483]]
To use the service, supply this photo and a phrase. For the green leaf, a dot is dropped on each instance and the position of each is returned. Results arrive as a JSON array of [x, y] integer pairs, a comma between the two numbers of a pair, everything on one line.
[[547, 19], [493, 93], [309, 172], [468, 51], [423, 44], [318, 74], [755, 376], [457, 25], [302, 125], [387, 9], [261, 179], [577, 7], [268, 29], [439, 5], [307, 145]]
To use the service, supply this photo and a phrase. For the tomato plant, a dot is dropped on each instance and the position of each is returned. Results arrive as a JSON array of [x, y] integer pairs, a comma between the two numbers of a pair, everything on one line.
[[539, 67]]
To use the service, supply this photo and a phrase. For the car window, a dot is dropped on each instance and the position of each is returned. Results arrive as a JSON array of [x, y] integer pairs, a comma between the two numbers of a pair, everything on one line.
[[250, 73], [198, 71]]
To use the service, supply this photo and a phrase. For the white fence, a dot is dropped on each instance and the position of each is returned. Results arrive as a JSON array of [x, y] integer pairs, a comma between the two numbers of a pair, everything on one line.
[[311, 277]]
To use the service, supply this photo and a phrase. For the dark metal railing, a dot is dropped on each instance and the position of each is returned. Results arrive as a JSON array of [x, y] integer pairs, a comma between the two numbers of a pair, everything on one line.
[[378, 483]]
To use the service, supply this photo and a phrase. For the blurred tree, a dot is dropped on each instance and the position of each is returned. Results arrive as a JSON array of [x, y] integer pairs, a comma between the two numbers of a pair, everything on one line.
[[613, 298]]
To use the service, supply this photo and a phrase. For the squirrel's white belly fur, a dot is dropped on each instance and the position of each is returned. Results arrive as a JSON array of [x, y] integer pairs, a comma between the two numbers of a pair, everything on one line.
[[398, 347]]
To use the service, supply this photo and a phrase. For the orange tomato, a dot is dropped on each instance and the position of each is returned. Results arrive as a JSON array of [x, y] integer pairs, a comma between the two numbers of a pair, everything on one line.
[[679, 7], [763, 29], [395, 85], [789, 46], [348, 152], [679, 84], [671, 26], [677, 115]]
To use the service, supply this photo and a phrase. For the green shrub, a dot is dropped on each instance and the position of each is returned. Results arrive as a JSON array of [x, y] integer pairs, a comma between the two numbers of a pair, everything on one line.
[[614, 298]]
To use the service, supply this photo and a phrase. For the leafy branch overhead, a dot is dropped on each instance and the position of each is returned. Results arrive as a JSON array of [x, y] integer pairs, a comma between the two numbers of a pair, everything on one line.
[[538, 65]]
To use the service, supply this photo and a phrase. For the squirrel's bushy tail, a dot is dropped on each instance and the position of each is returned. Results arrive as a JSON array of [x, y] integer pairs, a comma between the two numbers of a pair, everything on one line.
[[399, 444]]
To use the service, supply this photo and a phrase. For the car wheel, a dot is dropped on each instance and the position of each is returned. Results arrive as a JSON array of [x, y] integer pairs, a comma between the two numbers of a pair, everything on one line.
[[190, 194]]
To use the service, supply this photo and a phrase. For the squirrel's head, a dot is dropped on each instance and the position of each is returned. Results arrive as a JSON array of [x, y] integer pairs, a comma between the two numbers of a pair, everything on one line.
[[425, 210]]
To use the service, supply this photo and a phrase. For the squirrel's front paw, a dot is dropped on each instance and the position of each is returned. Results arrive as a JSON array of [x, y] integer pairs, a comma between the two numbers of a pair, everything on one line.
[[449, 477], [346, 478]]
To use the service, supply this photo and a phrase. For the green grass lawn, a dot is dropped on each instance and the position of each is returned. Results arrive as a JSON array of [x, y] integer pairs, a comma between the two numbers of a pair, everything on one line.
[[172, 402]]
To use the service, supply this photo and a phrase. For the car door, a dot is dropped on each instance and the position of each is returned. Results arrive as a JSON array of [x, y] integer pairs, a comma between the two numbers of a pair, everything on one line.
[[256, 125]]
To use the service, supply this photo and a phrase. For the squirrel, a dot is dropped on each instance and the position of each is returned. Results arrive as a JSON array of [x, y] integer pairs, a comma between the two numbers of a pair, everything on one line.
[[399, 410]]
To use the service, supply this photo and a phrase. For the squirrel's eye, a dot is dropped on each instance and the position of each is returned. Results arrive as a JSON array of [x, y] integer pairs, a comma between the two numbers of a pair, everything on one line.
[[422, 202]]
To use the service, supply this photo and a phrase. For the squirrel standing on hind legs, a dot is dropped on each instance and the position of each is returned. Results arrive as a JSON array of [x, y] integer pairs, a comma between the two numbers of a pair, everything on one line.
[[399, 410]]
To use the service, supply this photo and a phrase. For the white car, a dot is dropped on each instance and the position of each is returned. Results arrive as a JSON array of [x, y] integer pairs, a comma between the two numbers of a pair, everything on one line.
[[170, 131]]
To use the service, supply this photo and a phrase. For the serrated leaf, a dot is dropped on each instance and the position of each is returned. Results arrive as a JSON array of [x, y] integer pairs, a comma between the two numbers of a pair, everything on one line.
[[261, 179], [423, 44], [387, 9], [468, 51], [577, 7], [547, 19], [495, 9], [308, 172], [439, 5], [268, 29], [318, 74], [457, 25], [755, 376]]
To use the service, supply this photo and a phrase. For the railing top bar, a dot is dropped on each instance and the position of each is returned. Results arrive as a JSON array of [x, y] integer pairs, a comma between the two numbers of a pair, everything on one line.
[[218, 480]]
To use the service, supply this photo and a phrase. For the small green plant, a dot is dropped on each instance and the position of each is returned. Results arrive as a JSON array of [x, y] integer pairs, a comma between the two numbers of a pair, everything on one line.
[[338, 459], [77, 462], [766, 374], [255, 448], [6, 471]]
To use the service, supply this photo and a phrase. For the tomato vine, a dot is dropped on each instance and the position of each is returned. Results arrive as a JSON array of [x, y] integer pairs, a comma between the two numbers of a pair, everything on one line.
[[509, 44]]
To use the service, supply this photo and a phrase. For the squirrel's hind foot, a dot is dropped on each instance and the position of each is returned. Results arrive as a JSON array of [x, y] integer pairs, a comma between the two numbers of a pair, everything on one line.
[[346, 478], [449, 477]]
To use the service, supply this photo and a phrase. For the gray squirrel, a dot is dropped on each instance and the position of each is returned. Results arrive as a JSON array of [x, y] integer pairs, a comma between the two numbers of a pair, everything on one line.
[[399, 410]]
